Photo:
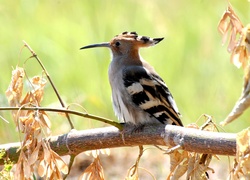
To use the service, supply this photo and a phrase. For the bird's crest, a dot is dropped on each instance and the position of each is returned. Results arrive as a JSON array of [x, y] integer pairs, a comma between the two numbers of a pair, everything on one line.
[[131, 39], [142, 41]]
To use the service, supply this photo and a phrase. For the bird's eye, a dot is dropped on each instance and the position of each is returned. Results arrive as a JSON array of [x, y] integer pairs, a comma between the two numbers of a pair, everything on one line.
[[117, 44]]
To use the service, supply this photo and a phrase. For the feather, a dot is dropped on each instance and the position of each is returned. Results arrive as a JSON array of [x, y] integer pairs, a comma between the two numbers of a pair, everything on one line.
[[149, 92]]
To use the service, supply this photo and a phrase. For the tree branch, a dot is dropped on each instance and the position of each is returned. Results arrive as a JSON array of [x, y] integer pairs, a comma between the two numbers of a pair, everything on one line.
[[193, 140]]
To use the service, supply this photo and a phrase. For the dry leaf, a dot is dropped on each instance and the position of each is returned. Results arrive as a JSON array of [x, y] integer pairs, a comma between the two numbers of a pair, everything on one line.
[[105, 151], [244, 101], [178, 164], [27, 169], [198, 166], [195, 165], [243, 141], [242, 161], [35, 96], [241, 51], [38, 84], [191, 162], [94, 171], [44, 119], [96, 152], [34, 155], [230, 25], [42, 168], [35, 152], [241, 105], [23, 170], [51, 164], [14, 91], [60, 164]]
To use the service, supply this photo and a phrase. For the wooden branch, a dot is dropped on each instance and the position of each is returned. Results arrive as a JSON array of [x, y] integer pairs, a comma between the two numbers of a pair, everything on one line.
[[193, 140]]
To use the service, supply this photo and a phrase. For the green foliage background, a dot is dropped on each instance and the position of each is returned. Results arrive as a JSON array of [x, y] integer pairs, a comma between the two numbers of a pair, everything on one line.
[[190, 59]]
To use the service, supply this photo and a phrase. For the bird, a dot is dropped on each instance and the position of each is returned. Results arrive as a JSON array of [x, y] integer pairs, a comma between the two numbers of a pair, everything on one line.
[[139, 94]]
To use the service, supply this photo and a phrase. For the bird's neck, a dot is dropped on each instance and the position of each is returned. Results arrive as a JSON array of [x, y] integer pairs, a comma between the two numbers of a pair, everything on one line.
[[132, 58]]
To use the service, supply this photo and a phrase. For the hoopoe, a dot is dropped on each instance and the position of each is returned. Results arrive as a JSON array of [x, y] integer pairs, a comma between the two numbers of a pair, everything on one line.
[[139, 94]]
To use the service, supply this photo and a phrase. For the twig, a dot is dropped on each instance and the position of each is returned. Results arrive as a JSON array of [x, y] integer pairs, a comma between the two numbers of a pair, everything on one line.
[[50, 80], [71, 161], [136, 165], [1, 117], [67, 111]]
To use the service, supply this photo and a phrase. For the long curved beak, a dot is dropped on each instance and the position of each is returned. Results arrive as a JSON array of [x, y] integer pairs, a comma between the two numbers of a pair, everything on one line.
[[105, 44]]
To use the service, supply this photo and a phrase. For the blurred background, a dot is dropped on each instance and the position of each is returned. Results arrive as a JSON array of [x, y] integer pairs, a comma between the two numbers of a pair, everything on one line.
[[191, 59]]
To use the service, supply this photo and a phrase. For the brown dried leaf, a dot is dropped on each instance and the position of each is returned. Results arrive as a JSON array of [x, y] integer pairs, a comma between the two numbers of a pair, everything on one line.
[[35, 96], [105, 151], [14, 91], [230, 21], [19, 173], [44, 119], [195, 164], [242, 161], [202, 161], [34, 155], [178, 164], [38, 84], [180, 170], [26, 169], [191, 164], [49, 172], [243, 140], [243, 103], [46, 152], [27, 99], [239, 56], [198, 166], [60, 164], [33, 124], [94, 171], [96, 152], [241, 51], [55, 172], [231, 27], [42, 167]]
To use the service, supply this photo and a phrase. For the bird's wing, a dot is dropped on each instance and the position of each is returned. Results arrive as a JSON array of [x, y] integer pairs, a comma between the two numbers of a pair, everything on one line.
[[150, 93]]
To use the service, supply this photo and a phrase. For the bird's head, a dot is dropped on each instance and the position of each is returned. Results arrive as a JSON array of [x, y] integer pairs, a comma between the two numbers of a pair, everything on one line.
[[126, 43]]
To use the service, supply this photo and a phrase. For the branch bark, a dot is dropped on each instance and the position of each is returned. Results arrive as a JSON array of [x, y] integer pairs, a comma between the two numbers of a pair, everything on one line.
[[193, 140]]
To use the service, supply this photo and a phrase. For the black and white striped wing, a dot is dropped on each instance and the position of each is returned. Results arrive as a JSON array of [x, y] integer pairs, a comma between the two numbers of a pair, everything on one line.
[[150, 93]]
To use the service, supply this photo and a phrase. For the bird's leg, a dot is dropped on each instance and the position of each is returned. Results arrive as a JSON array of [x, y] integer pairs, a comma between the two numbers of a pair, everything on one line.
[[138, 128], [122, 133]]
